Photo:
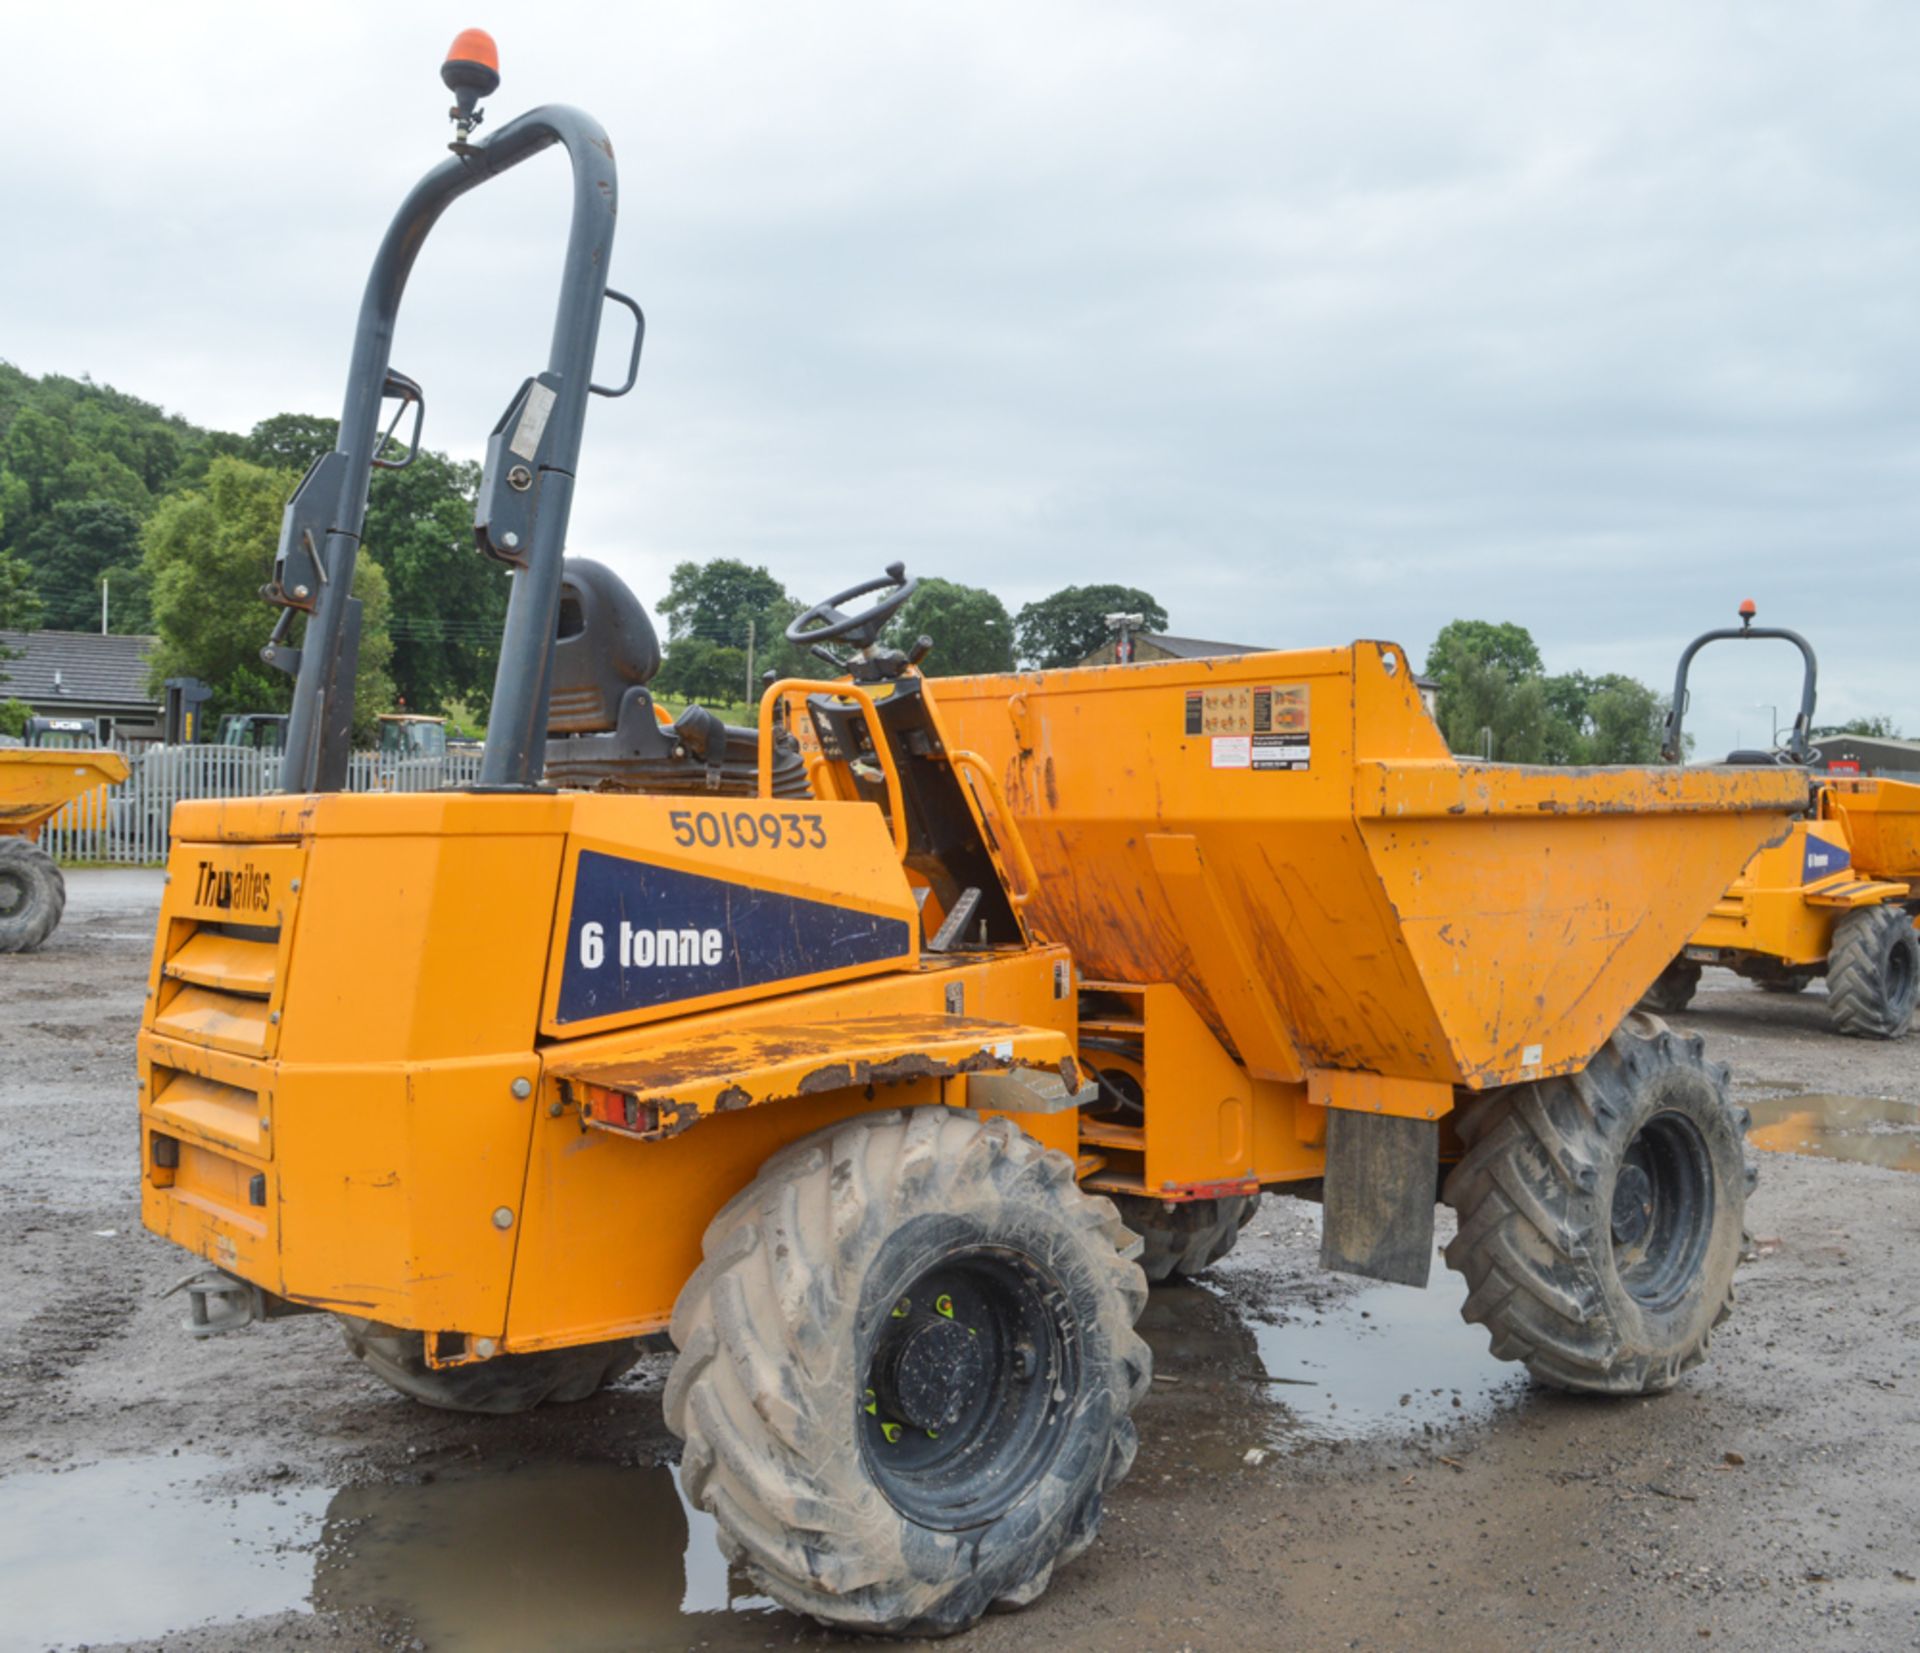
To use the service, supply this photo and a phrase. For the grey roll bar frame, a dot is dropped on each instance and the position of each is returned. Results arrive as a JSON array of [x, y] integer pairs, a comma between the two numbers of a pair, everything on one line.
[[1799, 745], [317, 733]]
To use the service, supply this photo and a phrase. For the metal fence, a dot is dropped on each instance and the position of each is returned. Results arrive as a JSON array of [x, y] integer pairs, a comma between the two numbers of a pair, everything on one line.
[[127, 822]]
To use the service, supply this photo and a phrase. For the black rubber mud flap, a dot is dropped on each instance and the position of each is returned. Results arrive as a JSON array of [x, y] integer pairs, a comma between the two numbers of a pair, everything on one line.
[[1382, 1173]]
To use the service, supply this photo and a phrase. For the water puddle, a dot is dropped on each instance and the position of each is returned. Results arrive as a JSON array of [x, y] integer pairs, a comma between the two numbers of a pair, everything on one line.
[[136, 1547], [591, 1557], [1868, 1130], [569, 1558], [1383, 1361]]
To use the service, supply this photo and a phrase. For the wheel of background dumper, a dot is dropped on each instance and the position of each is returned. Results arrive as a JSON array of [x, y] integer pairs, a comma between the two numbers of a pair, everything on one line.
[[1188, 1237], [506, 1383], [1787, 981], [1600, 1214], [1873, 973], [1674, 988], [33, 895], [907, 1368]]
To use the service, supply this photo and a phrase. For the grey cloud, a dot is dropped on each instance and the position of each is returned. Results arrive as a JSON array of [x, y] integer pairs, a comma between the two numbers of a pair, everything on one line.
[[1319, 322]]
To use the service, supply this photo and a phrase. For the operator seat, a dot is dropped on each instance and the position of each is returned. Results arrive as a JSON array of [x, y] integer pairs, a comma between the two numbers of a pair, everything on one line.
[[604, 732]]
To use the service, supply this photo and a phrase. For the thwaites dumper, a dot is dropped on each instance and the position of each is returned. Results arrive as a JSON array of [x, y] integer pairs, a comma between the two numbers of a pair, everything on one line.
[[36, 783], [1838, 897], [821, 1045]]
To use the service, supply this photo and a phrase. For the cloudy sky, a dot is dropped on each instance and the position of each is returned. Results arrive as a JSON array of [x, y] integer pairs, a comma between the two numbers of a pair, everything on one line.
[[1316, 321]]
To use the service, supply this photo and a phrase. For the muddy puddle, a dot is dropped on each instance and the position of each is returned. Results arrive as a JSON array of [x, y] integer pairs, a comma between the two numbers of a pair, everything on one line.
[[576, 1558], [1380, 1362], [1866, 1130], [590, 1557], [136, 1547]]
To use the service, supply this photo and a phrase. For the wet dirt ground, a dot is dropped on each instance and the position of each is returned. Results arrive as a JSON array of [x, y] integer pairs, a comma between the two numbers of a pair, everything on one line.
[[1324, 1463]]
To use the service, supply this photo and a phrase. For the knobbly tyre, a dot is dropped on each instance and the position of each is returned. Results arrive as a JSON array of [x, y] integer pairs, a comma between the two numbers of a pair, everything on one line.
[[1839, 897], [830, 1045]]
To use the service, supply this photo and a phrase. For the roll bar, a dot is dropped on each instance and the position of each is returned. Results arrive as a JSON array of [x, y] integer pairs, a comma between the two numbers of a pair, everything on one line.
[[1800, 742], [526, 489]]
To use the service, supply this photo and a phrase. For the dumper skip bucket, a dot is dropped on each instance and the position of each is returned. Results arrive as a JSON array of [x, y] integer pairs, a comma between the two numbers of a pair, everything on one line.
[[1286, 837]]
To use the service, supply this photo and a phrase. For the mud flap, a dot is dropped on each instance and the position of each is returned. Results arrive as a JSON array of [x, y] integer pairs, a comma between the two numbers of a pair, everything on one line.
[[1381, 1175]]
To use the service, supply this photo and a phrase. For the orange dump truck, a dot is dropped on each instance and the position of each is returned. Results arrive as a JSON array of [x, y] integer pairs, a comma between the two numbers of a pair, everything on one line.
[[35, 785], [879, 1053]]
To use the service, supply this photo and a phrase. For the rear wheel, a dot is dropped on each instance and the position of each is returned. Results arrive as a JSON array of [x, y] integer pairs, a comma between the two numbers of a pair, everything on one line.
[[1674, 989], [1873, 973], [907, 1368], [1600, 1214], [506, 1383], [33, 895], [1187, 1237]]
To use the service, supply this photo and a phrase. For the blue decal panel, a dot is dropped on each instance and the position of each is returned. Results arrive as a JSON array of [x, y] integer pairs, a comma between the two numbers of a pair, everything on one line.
[[1823, 860], [640, 936]]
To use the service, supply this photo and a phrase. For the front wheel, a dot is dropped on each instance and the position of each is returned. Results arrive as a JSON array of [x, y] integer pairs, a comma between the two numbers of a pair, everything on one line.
[[1186, 1238], [1674, 988], [1600, 1214], [504, 1384], [907, 1368], [33, 895], [1873, 973]]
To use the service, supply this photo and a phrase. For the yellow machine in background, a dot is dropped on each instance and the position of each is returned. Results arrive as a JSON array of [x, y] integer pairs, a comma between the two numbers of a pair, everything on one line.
[[36, 783], [823, 1045], [1839, 897]]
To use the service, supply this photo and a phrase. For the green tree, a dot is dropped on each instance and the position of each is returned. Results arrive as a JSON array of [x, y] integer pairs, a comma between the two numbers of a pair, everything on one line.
[[448, 602], [208, 552], [696, 669], [1878, 727], [290, 441], [20, 607], [1491, 683], [1625, 721], [723, 605], [13, 717], [970, 628], [1506, 648], [1064, 629], [70, 547], [35, 455], [714, 600]]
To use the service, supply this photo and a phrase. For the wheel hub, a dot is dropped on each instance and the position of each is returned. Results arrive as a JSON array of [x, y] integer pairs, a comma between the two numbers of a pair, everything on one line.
[[972, 1373], [13, 895], [936, 1368], [1632, 1205]]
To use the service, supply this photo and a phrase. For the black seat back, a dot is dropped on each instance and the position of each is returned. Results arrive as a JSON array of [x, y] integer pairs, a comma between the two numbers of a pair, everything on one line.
[[605, 645]]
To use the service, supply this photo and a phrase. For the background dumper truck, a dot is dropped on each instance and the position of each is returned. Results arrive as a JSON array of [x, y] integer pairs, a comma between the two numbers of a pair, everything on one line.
[[36, 783], [829, 1046], [1838, 897]]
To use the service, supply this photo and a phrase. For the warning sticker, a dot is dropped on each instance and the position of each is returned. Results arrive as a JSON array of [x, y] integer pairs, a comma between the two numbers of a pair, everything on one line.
[[1282, 752], [1263, 726], [1233, 751]]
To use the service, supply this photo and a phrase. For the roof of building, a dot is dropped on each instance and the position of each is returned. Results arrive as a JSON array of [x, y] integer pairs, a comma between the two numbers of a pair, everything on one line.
[[48, 667], [1196, 648]]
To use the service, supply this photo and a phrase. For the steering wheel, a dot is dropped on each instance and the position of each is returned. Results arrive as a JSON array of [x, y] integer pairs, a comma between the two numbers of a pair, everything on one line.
[[825, 623]]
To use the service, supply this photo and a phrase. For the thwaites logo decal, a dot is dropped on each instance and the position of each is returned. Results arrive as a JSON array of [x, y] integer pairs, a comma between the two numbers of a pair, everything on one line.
[[241, 889], [1823, 860], [639, 936]]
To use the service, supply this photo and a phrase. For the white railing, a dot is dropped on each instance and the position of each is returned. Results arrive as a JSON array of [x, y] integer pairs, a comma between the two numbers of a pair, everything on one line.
[[126, 823]]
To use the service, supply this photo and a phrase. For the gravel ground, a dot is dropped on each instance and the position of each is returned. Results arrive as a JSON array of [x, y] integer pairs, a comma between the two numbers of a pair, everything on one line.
[[1324, 1463]]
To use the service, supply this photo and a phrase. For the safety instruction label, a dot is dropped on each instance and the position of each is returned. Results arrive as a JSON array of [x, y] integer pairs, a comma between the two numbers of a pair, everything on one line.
[[1253, 726]]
